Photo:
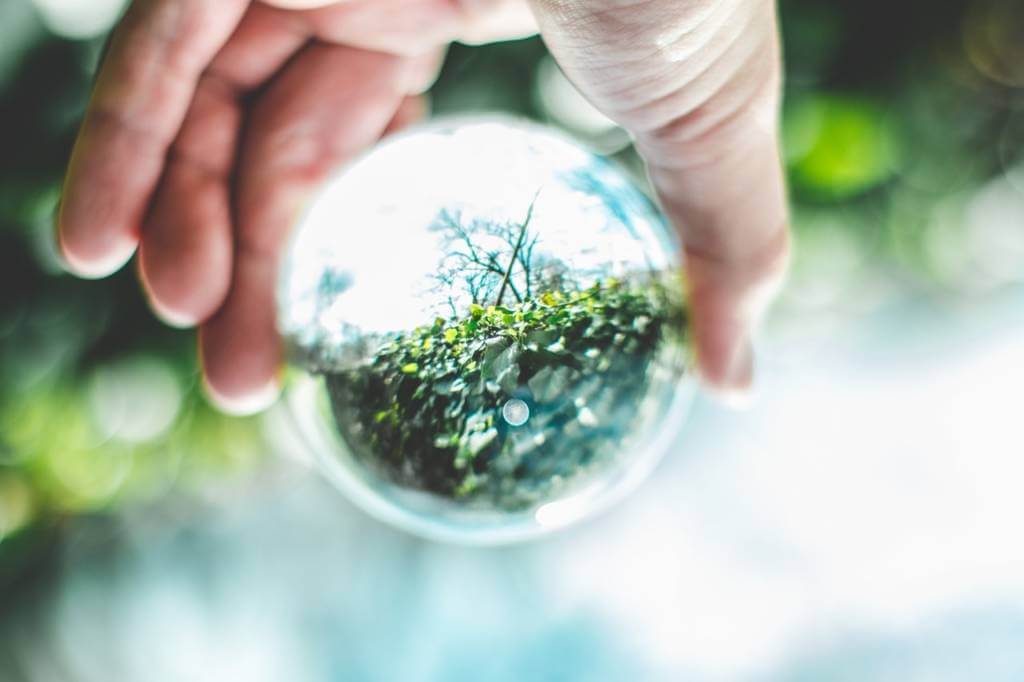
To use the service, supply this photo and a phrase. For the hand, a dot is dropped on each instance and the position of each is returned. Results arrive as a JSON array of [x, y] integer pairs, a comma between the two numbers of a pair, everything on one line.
[[211, 122]]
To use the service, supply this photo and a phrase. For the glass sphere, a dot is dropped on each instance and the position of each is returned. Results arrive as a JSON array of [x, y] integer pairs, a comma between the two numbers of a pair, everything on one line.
[[490, 331]]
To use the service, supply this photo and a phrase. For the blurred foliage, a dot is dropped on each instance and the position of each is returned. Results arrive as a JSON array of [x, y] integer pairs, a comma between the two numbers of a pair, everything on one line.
[[903, 129], [426, 412], [839, 146]]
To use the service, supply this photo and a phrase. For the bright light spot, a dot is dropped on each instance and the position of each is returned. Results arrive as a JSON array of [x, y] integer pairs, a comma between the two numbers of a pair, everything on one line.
[[828, 261], [135, 400], [995, 232], [560, 513], [516, 412], [79, 19], [975, 241], [587, 417]]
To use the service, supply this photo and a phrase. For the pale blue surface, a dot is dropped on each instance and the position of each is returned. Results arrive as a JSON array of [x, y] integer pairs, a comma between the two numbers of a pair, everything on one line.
[[860, 523]]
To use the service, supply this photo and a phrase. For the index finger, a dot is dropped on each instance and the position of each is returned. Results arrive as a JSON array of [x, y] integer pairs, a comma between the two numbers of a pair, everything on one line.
[[142, 94]]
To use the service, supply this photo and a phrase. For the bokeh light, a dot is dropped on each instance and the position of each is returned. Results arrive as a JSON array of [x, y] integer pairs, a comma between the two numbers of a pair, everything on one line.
[[135, 400], [994, 40], [79, 19], [17, 505], [838, 145], [859, 523]]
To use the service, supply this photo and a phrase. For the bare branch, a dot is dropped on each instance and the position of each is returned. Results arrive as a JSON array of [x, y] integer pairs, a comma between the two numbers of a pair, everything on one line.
[[519, 245]]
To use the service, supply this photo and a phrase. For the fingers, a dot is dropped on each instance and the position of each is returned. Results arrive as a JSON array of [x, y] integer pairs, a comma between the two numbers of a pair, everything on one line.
[[730, 209], [187, 247], [718, 172], [412, 28], [142, 93], [327, 105], [702, 103], [300, 4]]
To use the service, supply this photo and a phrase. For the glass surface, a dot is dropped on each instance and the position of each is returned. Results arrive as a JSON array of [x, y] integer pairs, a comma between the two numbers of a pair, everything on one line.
[[489, 324]]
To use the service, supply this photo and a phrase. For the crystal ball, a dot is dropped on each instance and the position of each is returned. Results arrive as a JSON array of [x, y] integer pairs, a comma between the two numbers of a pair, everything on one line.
[[487, 328]]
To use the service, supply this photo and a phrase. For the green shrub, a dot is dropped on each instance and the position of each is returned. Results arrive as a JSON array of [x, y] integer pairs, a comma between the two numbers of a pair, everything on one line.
[[425, 411]]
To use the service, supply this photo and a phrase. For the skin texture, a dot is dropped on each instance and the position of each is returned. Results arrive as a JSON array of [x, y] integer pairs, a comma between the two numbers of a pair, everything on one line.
[[212, 122]]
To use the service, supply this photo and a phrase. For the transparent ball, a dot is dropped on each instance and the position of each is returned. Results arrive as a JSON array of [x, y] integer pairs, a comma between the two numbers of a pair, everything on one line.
[[489, 327]]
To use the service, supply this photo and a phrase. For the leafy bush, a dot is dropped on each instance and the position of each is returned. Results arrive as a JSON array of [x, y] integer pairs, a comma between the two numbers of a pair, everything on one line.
[[426, 411]]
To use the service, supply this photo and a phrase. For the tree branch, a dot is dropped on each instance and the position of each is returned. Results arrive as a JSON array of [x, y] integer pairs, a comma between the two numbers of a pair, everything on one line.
[[515, 252]]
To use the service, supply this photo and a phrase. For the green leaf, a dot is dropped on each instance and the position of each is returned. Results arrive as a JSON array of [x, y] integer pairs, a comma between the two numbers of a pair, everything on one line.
[[468, 486], [445, 441], [478, 441], [430, 410]]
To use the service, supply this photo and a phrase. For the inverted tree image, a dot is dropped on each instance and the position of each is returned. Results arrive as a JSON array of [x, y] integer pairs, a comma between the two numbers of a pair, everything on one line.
[[490, 263], [492, 319], [526, 383]]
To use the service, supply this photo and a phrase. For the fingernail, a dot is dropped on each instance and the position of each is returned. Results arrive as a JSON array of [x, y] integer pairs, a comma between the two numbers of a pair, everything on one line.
[[735, 389], [166, 314], [739, 400], [97, 266], [170, 317], [244, 405]]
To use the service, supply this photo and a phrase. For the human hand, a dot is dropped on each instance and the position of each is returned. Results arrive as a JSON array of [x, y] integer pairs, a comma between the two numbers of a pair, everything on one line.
[[211, 122]]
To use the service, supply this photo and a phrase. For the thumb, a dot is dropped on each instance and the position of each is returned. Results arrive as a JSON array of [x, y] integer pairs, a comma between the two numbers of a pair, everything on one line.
[[697, 85]]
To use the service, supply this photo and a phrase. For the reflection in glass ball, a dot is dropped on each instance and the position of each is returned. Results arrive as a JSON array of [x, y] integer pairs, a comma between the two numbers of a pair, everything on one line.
[[490, 324]]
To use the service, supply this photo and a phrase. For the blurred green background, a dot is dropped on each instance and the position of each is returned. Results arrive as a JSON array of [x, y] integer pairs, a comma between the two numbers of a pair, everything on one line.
[[904, 142]]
